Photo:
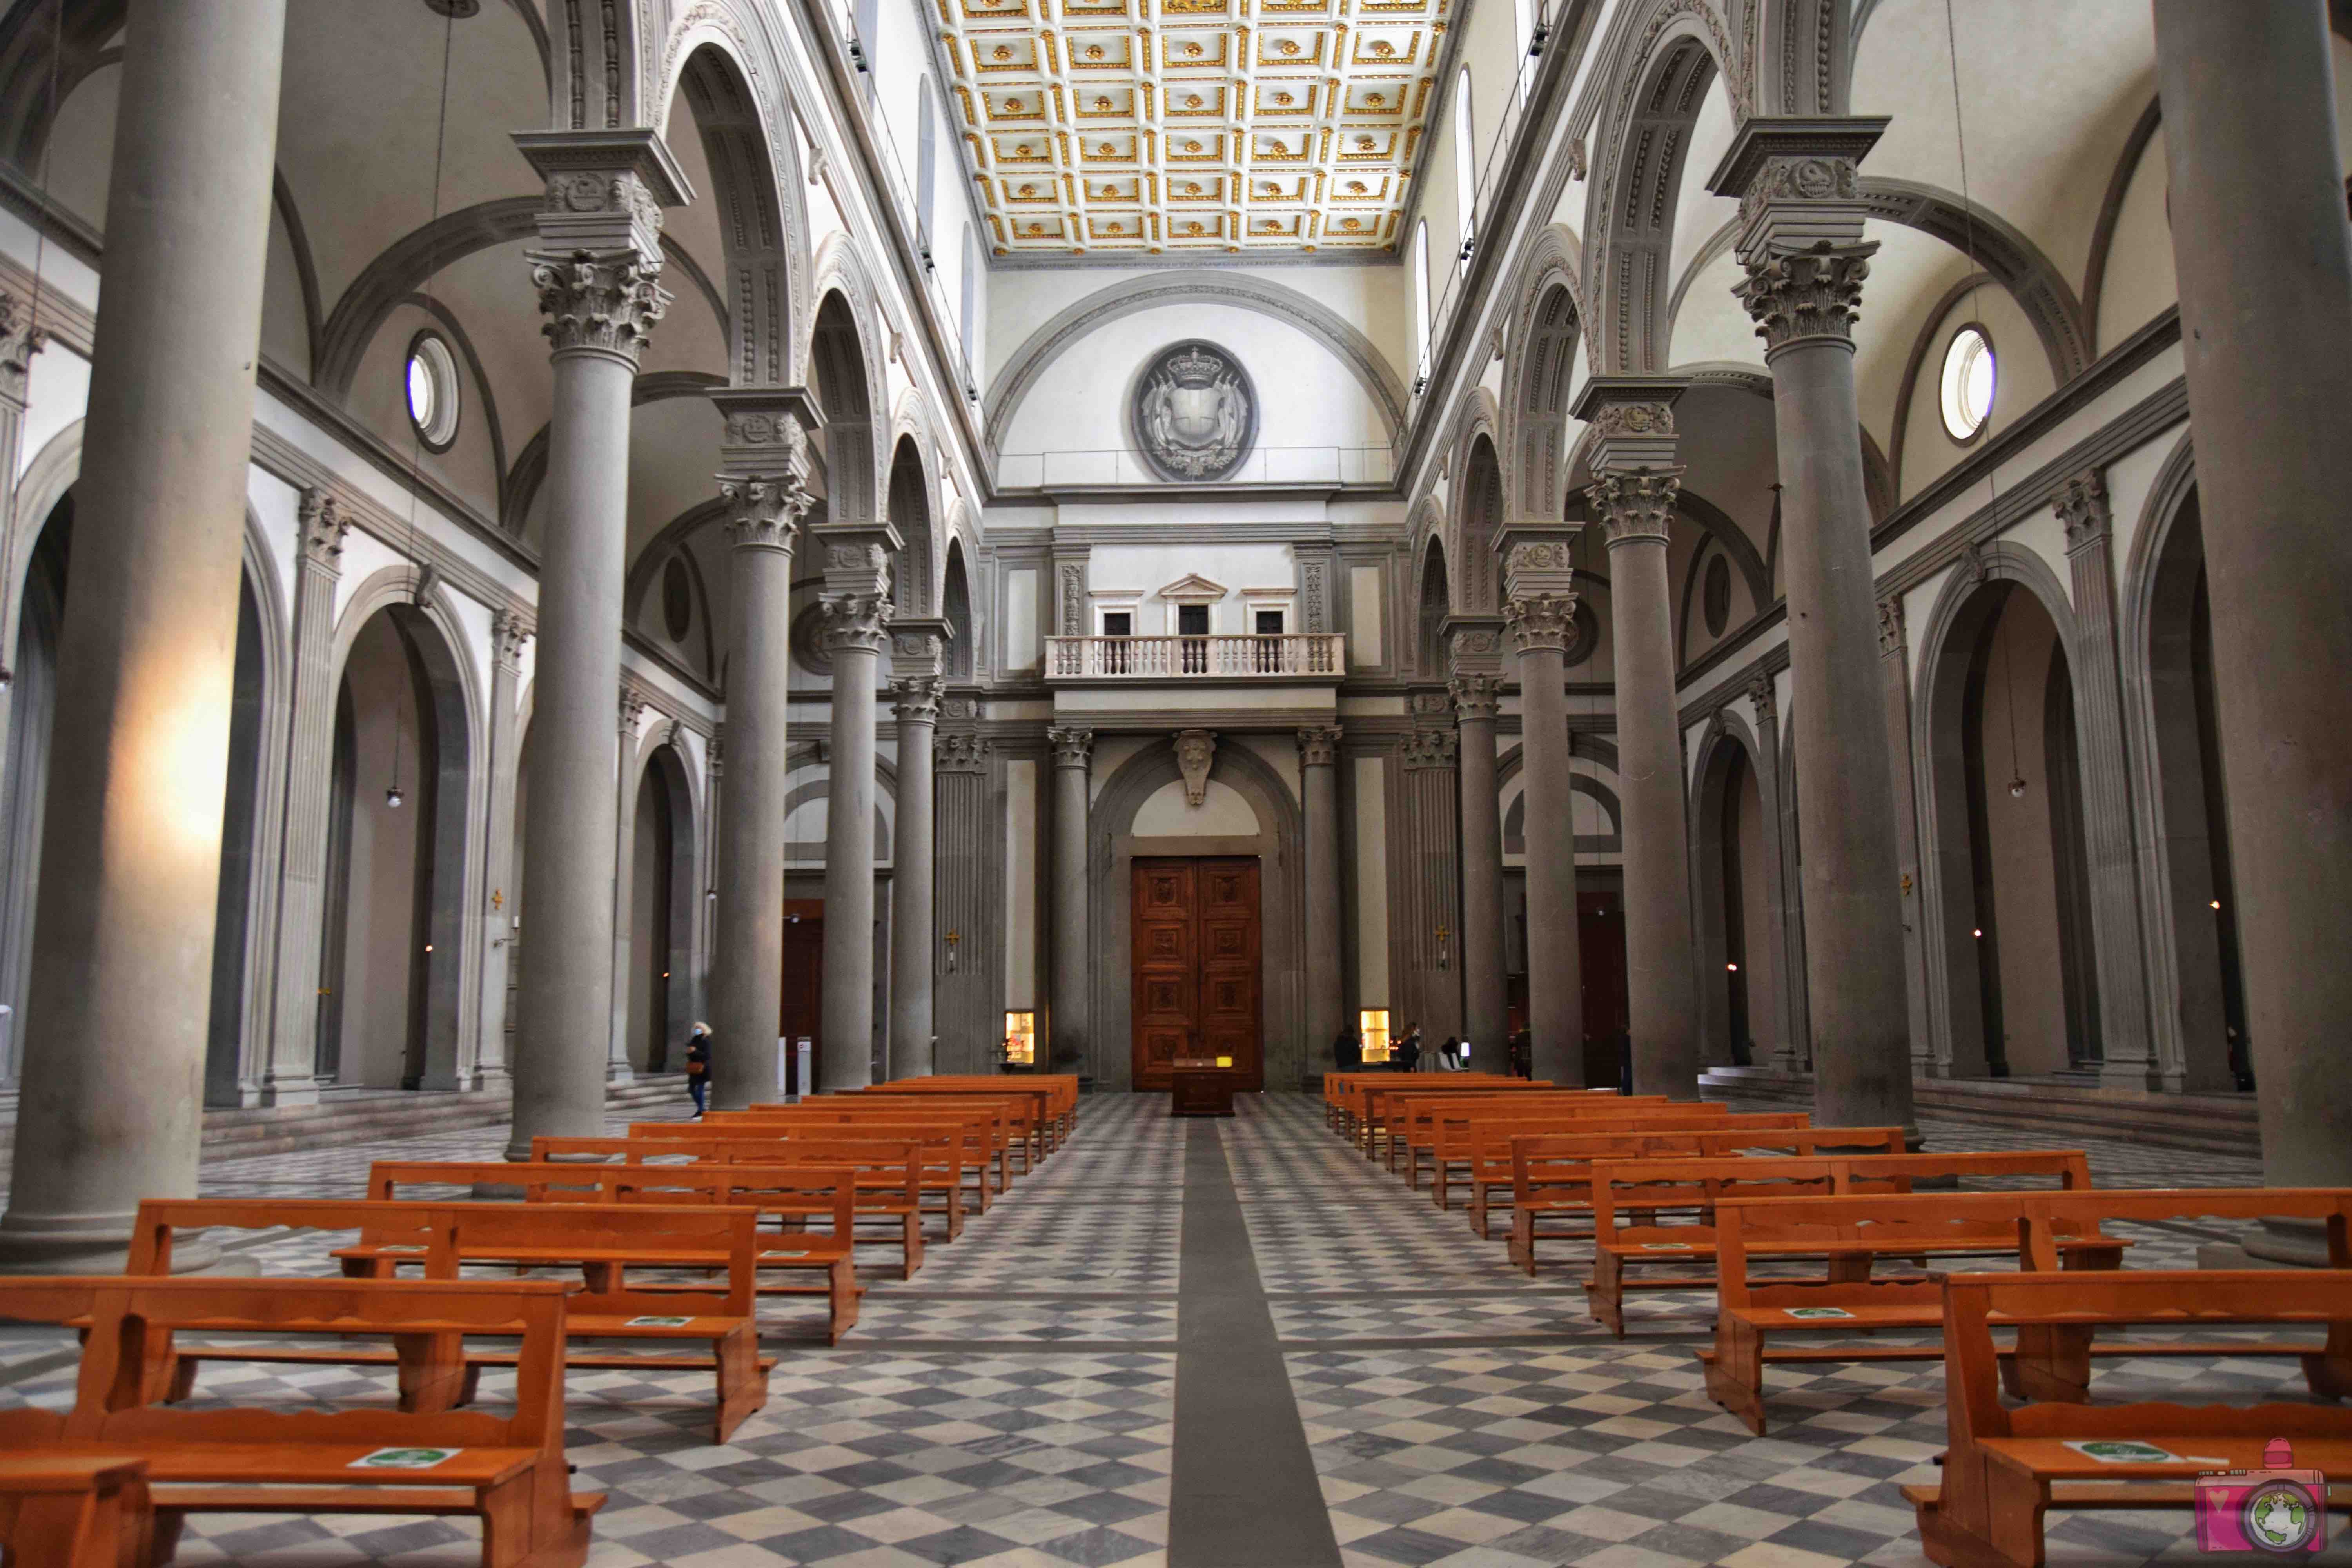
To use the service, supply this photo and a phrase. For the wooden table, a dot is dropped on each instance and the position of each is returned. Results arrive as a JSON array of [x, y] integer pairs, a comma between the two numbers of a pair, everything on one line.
[[1200, 1087]]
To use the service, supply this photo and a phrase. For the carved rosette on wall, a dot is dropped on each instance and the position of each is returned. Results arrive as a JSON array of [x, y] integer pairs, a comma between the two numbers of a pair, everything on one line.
[[963, 753], [1194, 413], [1537, 622], [2082, 506], [1195, 750], [1072, 748], [917, 699], [1635, 506], [1319, 745], [855, 621], [1807, 294], [599, 302], [1476, 696]]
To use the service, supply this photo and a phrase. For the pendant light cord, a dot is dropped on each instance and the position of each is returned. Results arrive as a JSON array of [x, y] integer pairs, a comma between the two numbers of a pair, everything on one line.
[[424, 291]]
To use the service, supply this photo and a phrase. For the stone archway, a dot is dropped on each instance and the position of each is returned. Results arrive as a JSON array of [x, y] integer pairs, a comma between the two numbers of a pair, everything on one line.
[[1733, 868]]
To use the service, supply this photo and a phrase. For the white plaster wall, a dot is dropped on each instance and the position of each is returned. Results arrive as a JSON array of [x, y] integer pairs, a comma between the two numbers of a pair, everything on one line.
[[1364, 606], [1371, 883], [1145, 569], [2139, 280], [1223, 813], [1375, 298]]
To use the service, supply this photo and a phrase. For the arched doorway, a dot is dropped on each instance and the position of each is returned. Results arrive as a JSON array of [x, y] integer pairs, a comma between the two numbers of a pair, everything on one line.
[[2190, 816], [661, 914], [391, 949], [1739, 990], [2014, 886]]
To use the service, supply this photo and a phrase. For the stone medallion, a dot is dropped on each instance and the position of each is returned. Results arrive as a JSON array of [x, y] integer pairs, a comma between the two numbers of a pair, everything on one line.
[[1194, 413]]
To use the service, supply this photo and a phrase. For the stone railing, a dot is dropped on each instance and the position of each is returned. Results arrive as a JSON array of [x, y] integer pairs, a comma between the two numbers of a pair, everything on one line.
[[1315, 655]]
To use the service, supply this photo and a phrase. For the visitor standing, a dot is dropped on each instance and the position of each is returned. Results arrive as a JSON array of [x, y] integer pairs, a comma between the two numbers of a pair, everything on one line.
[[698, 1069]]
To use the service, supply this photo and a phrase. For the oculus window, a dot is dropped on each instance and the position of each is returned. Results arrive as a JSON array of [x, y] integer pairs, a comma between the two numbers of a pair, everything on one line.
[[1969, 376], [432, 377]]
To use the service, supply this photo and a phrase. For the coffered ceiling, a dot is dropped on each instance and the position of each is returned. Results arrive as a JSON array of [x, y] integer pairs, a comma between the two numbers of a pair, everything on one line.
[[1128, 129]]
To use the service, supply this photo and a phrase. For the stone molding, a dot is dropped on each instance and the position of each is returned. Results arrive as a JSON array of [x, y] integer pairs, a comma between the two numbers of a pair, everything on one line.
[[854, 621], [1635, 507], [1195, 751], [2082, 507], [1073, 748], [917, 699], [598, 301], [1319, 745], [1765, 698], [1476, 697], [1541, 622], [1806, 295]]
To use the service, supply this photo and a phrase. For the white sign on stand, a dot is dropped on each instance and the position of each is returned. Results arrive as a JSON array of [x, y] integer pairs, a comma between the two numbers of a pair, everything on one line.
[[803, 1050]]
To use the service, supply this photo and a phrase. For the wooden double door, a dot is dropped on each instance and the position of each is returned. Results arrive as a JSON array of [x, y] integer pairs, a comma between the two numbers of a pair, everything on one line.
[[1197, 971]]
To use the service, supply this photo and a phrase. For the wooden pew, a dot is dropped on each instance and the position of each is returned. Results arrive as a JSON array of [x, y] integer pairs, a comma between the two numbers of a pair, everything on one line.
[[508, 1471], [1382, 1104], [794, 1194], [86, 1512], [987, 1124], [1644, 1189], [2005, 1467], [946, 1139], [1446, 1127], [1559, 1180], [603, 1242], [891, 1170], [1850, 1233], [1036, 1119], [1350, 1089], [1421, 1116]]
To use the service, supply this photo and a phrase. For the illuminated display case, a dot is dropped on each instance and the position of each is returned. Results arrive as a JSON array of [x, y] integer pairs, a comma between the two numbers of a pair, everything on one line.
[[1373, 1028], [1021, 1040]]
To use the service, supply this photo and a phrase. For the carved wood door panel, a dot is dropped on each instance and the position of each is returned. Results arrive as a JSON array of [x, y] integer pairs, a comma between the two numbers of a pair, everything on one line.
[[1196, 960]]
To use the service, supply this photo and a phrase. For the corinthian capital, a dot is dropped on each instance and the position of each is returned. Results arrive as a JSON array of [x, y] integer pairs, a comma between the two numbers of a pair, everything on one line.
[[916, 698], [1319, 745], [1635, 506], [20, 340], [1541, 622], [855, 621], [323, 522], [2082, 506], [1476, 696], [765, 513], [1890, 624], [1806, 294], [605, 301], [509, 629], [1072, 748]]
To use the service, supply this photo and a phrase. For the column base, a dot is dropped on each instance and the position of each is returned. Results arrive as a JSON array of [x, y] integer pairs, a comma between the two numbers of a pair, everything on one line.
[[85, 1244], [2134, 1075], [2279, 1244], [620, 1072]]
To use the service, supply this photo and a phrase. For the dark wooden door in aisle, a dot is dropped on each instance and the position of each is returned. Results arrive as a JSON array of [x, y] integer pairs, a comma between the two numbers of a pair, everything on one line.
[[1196, 960], [802, 1012]]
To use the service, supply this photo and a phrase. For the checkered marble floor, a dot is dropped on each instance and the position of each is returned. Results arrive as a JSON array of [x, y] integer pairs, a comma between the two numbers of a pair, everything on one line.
[[1014, 1404]]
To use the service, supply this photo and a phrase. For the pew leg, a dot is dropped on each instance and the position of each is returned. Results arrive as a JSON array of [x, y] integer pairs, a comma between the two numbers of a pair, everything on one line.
[[742, 1382], [842, 1278], [2015, 1503], [163, 1536], [1479, 1210], [1850, 1270], [1735, 1374], [1607, 1297], [2328, 1372], [911, 1258], [1523, 1240], [434, 1374], [2052, 1363], [184, 1381], [559, 1533]]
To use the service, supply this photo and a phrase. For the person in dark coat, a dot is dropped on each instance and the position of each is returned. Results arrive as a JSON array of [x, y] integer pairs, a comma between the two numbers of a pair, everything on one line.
[[1449, 1055], [698, 1069], [1408, 1050], [1347, 1054]]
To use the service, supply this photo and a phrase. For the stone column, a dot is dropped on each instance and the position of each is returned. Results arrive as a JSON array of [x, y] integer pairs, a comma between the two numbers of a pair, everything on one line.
[[856, 605], [1539, 614], [1633, 496], [594, 267], [121, 968], [1478, 698], [968, 911], [1326, 1003], [509, 629], [1071, 1033], [625, 866], [915, 662], [1801, 243], [2128, 1047], [763, 477], [289, 1077], [2265, 266]]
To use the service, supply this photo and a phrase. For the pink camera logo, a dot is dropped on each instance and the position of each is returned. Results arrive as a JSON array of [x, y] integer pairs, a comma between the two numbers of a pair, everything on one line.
[[2277, 1508]]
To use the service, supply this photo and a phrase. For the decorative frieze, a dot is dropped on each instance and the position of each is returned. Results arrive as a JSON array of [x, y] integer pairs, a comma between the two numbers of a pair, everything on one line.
[[1319, 745], [1195, 750], [1476, 697], [918, 645], [1635, 506], [1474, 644]]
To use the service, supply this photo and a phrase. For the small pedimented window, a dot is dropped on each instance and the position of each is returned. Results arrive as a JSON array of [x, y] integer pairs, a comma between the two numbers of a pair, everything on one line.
[[1970, 378], [432, 389]]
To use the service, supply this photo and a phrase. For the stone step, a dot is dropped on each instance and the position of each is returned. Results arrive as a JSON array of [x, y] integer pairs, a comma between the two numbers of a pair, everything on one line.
[[235, 1132], [2205, 1123]]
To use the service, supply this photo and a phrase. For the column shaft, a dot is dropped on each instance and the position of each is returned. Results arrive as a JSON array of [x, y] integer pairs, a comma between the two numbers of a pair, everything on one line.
[[1319, 757], [1555, 978], [1486, 998], [747, 962], [624, 878], [508, 631], [1071, 1033], [912, 940], [853, 637], [121, 970], [2265, 266]]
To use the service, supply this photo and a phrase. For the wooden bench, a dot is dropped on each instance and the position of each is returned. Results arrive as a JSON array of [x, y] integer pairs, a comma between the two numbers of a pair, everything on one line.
[[1546, 1168], [603, 1242], [987, 1128], [1449, 1129], [508, 1471], [1383, 1106], [2006, 1467], [1421, 1116], [891, 1172], [947, 1150], [1037, 1120], [84, 1512], [1851, 1234], [792, 1195], [1347, 1091], [1644, 1190]]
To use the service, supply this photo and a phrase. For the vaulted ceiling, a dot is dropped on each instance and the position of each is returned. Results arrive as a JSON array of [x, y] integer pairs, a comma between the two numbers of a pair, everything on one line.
[[1100, 128]]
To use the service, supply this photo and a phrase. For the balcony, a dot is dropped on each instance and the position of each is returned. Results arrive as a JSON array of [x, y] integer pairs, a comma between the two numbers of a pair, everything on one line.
[[1299, 655]]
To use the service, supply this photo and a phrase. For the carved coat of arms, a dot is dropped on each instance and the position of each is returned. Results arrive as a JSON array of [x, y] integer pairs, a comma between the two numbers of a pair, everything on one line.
[[1195, 413]]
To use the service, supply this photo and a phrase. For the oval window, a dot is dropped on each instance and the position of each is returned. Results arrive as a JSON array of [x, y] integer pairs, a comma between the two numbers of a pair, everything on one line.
[[433, 391], [1715, 595], [677, 600], [1968, 381]]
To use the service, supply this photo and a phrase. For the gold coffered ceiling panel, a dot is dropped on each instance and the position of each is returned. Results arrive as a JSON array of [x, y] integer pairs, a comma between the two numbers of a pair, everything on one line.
[[1128, 129]]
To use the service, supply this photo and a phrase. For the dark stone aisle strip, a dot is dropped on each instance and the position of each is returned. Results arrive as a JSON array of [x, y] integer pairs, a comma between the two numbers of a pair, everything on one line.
[[1244, 1494]]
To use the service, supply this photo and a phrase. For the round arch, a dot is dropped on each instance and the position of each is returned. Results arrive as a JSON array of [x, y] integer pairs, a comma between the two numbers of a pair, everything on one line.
[[845, 364], [1541, 364], [754, 176], [1730, 769], [658, 990], [908, 507], [1477, 510]]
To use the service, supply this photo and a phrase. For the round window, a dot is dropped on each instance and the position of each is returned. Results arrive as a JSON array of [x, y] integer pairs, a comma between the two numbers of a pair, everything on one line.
[[433, 391], [1968, 379]]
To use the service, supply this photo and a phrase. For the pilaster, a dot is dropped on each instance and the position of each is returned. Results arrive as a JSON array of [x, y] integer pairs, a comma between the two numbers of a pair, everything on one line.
[[631, 713], [1070, 1033], [510, 629]]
